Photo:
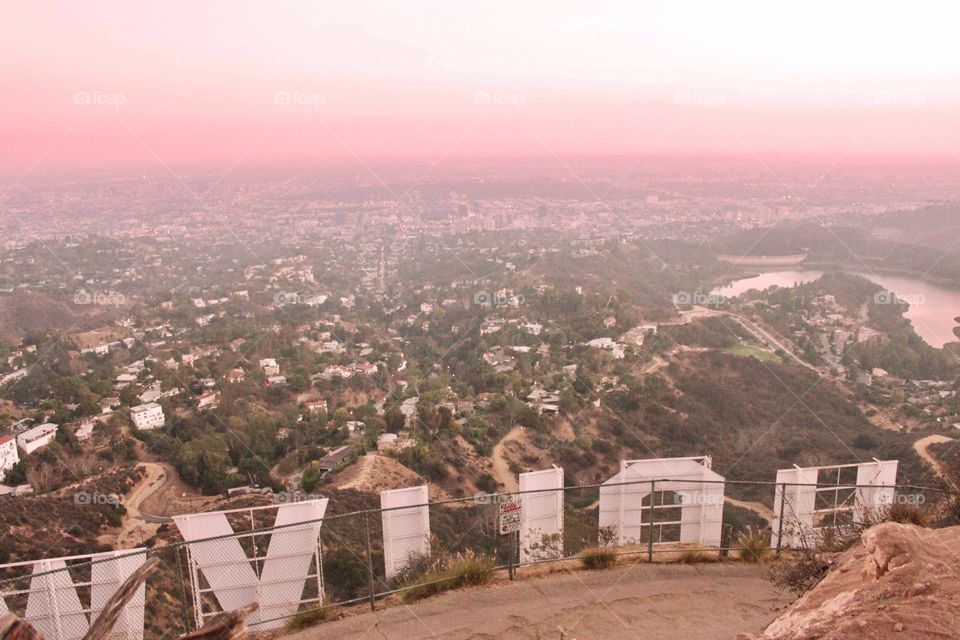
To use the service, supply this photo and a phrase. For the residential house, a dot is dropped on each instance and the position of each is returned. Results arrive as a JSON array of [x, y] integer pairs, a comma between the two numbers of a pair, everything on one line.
[[335, 458], [314, 406], [84, 432], [147, 416], [37, 437], [270, 367], [8, 455], [208, 400]]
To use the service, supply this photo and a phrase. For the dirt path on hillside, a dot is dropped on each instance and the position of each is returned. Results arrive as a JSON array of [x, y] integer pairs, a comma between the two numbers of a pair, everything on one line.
[[500, 468], [922, 447], [133, 529], [761, 510], [666, 602]]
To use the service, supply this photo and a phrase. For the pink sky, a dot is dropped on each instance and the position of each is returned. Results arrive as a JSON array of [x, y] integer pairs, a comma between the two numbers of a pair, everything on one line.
[[169, 82]]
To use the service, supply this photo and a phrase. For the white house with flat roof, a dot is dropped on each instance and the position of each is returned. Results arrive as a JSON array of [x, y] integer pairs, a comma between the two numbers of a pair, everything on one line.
[[8, 455], [148, 416], [37, 437]]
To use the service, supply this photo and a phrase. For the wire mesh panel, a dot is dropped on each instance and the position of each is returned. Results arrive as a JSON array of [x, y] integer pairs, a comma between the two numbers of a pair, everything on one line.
[[541, 517], [406, 527], [61, 596], [875, 491], [229, 570], [814, 502]]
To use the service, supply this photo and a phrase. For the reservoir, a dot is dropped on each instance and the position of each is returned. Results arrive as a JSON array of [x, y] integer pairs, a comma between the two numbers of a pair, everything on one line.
[[932, 307]]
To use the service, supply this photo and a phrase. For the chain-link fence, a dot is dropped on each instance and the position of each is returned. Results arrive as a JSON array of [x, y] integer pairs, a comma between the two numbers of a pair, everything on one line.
[[295, 564]]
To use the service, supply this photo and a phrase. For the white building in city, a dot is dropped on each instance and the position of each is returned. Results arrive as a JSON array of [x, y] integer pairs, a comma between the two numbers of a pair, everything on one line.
[[8, 455], [148, 416], [37, 437]]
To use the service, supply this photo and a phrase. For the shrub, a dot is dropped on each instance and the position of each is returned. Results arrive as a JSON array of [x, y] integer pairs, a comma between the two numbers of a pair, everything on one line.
[[461, 571], [909, 514], [598, 558], [799, 573], [305, 619], [754, 545]]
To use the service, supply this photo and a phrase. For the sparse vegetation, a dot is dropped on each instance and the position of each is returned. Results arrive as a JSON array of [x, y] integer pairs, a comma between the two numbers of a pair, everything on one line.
[[463, 570], [695, 556], [754, 545], [306, 619], [598, 558], [800, 572]]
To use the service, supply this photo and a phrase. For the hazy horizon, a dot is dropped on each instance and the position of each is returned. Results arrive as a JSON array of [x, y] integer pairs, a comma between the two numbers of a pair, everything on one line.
[[245, 83]]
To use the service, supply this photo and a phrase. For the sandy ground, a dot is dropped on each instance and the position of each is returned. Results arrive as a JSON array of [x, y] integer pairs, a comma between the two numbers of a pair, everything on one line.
[[637, 601]]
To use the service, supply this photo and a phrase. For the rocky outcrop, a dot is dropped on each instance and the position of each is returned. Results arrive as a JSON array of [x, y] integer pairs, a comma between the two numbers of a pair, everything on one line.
[[900, 581]]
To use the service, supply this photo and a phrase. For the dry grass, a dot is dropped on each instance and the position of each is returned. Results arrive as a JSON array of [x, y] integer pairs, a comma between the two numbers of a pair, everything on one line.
[[461, 571], [306, 619], [754, 545], [598, 558]]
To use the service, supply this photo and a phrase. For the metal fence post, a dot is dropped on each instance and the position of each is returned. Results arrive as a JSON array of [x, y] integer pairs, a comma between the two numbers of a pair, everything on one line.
[[183, 592], [510, 556], [366, 524], [653, 489], [783, 502]]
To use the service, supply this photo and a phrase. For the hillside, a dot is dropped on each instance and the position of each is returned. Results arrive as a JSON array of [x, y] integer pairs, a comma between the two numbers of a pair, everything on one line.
[[900, 581]]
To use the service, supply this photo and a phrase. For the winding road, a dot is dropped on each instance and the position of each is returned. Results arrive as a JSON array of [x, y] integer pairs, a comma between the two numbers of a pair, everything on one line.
[[922, 447], [138, 526]]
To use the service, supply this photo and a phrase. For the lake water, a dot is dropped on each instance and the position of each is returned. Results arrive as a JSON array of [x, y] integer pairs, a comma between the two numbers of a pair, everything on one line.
[[932, 307]]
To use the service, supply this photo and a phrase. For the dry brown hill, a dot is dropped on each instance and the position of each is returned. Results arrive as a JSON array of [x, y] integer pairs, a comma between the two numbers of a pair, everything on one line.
[[900, 581]]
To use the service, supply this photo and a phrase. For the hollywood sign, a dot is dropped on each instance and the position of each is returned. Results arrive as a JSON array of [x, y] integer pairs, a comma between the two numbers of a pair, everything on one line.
[[665, 500], [53, 601], [647, 502], [814, 499], [276, 580]]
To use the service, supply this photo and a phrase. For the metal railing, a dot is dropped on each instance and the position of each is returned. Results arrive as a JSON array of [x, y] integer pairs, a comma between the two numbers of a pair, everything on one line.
[[346, 564]]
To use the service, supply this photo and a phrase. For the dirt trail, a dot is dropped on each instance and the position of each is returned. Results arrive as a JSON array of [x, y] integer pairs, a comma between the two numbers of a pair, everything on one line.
[[134, 530], [501, 470], [761, 510], [922, 447], [698, 602]]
